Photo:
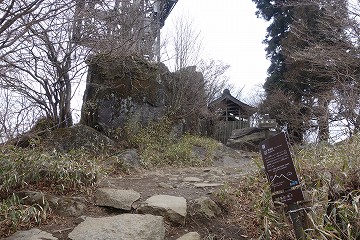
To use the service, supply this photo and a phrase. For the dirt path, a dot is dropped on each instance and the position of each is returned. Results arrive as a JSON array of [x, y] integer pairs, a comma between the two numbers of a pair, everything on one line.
[[189, 183]]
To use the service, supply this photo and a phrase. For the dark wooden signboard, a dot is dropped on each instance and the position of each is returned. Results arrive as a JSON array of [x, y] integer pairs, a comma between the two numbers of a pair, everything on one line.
[[288, 197], [278, 163]]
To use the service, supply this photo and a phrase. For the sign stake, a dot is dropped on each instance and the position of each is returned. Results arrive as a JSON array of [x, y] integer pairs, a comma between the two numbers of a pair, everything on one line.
[[296, 221]]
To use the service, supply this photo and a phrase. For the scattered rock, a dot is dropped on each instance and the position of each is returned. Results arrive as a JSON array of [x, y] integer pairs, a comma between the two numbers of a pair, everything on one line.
[[130, 158], [121, 227], [165, 185], [32, 234], [204, 184], [116, 198], [192, 179], [172, 208], [199, 152], [190, 236], [207, 207]]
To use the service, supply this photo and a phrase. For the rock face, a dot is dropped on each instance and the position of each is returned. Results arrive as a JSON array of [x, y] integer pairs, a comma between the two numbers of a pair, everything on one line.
[[247, 138], [32, 234], [129, 90], [116, 198], [121, 90], [121, 227], [172, 208]]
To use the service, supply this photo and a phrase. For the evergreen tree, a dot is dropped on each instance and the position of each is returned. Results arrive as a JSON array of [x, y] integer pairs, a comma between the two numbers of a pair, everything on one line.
[[295, 26], [280, 14]]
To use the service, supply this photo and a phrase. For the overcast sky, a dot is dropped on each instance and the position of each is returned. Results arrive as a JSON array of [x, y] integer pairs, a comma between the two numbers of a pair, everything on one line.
[[232, 33]]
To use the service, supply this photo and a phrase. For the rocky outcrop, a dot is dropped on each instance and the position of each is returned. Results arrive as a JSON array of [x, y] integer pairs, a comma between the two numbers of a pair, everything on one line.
[[77, 137], [247, 138], [116, 198], [121, 227], [121, 90], [129, 90], [174, 209]]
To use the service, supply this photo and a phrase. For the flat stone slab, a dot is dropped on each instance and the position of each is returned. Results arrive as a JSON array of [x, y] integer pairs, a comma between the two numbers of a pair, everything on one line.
[[121, 227], [32, 234], [172, 208], [190, 236], [192, 179], [116, 198], [203, 185]]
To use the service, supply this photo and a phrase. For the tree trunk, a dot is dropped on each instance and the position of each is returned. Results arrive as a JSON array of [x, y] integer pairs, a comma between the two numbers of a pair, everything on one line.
[[323, 118]]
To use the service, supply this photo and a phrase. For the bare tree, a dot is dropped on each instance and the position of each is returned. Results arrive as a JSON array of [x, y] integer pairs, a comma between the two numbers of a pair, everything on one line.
[[17, 115], [13, 12], [183, 46], [198, 81], [45, 62], [214, 76]]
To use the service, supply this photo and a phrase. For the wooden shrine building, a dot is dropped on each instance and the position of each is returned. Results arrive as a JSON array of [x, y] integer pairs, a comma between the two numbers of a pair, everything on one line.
[[231, 114]]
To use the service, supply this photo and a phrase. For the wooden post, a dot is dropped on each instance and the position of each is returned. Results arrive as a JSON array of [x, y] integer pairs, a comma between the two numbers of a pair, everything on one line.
[[296, 221]]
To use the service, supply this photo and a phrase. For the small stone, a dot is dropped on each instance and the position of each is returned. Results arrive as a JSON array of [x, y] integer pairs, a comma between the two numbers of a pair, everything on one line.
[[191, 179], [165, 185], [207, 207]]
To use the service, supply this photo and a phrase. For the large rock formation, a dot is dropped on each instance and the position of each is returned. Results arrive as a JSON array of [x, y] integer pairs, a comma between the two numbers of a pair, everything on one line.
[[121, 90]]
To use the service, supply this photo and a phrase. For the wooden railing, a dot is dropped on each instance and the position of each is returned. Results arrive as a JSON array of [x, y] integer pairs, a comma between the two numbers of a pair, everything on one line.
[[223, 129]]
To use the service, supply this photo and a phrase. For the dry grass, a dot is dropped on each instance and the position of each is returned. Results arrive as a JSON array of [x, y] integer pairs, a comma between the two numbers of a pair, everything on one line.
[[330, 177]]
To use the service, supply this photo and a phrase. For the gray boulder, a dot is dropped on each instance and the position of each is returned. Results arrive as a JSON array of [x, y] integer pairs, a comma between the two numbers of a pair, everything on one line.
[[121, 227], [116, 198], [174, 209], [32, 234], [206, 207], [64, 206], [130, 158]]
